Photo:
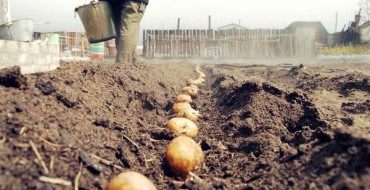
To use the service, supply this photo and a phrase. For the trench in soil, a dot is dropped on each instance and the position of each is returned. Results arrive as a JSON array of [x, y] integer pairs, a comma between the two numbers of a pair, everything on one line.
[[263, 127]]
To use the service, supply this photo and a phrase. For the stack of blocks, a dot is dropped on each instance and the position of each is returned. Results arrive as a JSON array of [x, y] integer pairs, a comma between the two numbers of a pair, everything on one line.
[[32, 57]]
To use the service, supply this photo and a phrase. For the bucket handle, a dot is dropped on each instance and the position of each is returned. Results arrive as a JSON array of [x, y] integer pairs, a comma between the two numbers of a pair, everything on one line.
[[93, 2]]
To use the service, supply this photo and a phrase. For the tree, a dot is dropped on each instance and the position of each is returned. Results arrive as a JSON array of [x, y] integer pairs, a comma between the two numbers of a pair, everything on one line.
[[365, 10]]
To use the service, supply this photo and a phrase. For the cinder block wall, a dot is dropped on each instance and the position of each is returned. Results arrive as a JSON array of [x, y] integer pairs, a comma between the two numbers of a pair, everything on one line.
[[30, 56]]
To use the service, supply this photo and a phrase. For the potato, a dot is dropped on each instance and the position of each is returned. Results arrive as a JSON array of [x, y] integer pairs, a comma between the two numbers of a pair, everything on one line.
[[184, 155], [201, 79], [193, 92], [197, 68], [201, 74], [177, 107], [183, 98], [190, 114], [183, 126], [194, 87], [195, 82], [130, 180]]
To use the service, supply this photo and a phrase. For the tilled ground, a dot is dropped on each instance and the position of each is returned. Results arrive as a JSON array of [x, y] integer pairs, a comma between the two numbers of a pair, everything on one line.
[[264, 127]]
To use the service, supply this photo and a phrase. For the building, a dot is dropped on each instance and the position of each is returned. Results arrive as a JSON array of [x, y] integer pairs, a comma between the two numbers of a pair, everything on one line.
[[319, 31], [364, 30], [309, 36], [232, 26]]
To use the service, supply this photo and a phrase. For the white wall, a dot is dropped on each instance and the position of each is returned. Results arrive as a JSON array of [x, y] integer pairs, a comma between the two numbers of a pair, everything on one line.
[[365, 34], [31, 57]]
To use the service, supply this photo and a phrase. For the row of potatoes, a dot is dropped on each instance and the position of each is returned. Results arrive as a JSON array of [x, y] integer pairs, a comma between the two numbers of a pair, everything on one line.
[[183, 154]]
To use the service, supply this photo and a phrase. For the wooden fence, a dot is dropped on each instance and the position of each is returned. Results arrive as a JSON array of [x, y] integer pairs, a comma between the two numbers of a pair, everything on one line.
[[258, 43]]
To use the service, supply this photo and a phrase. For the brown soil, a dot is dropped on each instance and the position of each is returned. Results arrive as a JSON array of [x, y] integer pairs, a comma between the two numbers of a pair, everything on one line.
[[264, 127]]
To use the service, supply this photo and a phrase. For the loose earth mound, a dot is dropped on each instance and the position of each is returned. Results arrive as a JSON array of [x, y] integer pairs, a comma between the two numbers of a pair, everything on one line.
[[263, 127]]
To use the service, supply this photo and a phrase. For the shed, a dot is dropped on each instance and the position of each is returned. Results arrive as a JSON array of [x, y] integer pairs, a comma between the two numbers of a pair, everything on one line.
[[321, 34], [308, 37], [364, 30]]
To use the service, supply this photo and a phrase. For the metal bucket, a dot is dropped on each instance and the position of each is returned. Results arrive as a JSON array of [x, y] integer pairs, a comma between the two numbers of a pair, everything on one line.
[[97, 20], [19, 30]]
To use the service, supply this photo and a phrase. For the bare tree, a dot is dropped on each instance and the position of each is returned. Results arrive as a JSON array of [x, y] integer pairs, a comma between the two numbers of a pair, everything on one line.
[[365, 10]]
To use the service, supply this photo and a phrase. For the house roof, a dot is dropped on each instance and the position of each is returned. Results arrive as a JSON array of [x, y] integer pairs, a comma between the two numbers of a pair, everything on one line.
[[231, 26], [316, 24]]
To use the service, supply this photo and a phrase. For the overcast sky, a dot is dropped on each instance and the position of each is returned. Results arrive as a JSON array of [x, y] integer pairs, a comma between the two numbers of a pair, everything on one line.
[[163, 14]]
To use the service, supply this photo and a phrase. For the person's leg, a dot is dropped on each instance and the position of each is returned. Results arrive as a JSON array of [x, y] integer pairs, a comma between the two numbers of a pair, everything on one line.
[[131, 14], [116, 14]]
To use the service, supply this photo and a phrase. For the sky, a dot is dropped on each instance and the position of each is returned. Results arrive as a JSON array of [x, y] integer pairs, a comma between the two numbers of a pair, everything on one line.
[[163, 14]]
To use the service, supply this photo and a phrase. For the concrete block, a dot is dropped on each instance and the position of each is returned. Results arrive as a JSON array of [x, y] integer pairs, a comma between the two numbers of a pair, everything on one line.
[[49, 59], [54, 66], [11, 46], [24, 47], [7, 59], [43, 48], [27, 69], [35, 49], [43, 68], [23, 58], [55, 60], [40, 60], [32, 58], [54, 48], [2, 44]]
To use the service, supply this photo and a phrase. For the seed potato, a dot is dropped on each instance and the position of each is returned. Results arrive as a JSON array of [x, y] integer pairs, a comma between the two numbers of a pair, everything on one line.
[[183, 98], [184, 155], [190, 114], [183, 126], [177, 107], [130, 180]]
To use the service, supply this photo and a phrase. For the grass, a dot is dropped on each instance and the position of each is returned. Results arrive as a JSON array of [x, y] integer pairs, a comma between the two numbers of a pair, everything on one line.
[[346, 50]]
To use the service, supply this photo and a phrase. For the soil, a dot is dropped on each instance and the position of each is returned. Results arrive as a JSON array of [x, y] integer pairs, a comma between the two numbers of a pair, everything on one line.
[[281, 126]]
